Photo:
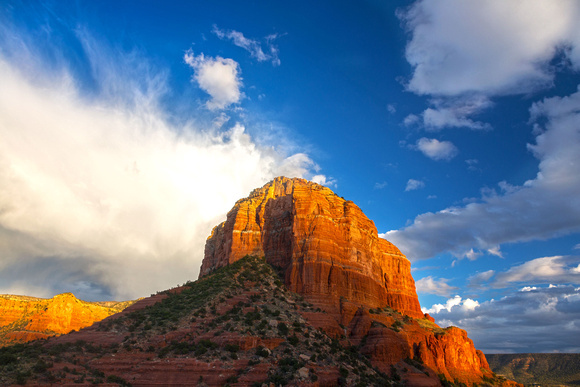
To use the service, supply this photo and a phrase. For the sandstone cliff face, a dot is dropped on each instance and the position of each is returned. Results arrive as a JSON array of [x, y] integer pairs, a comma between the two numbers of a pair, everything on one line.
[[24, 319], [325, 245]]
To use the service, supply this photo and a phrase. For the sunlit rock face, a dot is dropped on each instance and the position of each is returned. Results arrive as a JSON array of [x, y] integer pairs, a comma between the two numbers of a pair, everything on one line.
[[325, 245]]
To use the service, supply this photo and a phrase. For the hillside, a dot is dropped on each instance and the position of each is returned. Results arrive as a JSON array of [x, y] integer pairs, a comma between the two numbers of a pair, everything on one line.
[[238, 326], [547, 369], [25, 318]]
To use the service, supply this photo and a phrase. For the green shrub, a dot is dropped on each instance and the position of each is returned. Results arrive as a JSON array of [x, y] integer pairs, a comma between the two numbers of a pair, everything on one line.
[[283, 329], [262, 352], [293, 340], [7, 358], [289, 364], [278, 379], [252, 316], [40, 367], [397, 326], [200, 351], [117, 379]]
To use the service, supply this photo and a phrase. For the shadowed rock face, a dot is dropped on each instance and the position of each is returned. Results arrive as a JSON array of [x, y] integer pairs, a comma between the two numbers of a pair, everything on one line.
[[325, 245]]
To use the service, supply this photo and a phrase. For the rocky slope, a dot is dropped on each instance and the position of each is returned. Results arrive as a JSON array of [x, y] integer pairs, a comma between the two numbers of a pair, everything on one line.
[[238, 326], [325, 246], [24, 318]]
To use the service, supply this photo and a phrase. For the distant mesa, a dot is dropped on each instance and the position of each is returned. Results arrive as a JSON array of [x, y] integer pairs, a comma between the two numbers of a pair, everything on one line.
[[538, 369], [25, 318]]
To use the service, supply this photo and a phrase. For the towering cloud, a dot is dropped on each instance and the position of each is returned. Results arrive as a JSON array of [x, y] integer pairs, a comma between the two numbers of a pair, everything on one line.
[[103, 192]]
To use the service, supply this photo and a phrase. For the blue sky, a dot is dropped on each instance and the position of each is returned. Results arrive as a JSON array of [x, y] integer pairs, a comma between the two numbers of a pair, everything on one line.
[[128, 129]]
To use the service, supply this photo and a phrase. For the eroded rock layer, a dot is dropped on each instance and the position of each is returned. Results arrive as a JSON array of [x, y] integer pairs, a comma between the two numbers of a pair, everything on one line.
[[325, 245]]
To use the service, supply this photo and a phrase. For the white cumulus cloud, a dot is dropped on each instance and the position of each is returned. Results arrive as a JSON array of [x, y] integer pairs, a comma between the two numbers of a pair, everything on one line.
[[453, 303], [219, 77], [528, 288], [435, 149], [253, 46]]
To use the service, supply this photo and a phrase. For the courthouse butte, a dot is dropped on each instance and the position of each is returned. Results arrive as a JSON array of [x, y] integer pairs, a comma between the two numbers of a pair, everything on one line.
[[329, 252], [296, 288]]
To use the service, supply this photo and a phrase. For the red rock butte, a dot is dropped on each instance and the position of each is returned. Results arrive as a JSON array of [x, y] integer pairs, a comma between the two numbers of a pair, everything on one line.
[[326, 247]]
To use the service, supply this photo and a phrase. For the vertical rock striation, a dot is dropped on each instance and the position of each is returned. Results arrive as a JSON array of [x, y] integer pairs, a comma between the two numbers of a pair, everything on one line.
[[326, 247]]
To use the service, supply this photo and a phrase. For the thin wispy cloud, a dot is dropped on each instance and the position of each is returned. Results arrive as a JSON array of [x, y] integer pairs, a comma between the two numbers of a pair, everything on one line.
[[454, 113], [438, 286], [477, 280], [253, 46], [413, 185], [545, 270], [411, 120], [472, 164]]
